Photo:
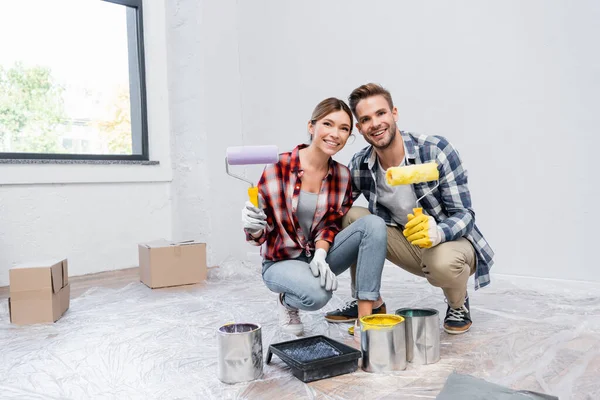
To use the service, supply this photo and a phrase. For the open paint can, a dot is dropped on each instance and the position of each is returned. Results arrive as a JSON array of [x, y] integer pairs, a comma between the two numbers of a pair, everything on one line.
[[422, 334], [383, 343], [239, 352]]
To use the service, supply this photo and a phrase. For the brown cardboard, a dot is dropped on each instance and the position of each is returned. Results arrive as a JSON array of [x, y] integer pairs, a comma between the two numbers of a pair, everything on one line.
[[39, 292], [164, 263]]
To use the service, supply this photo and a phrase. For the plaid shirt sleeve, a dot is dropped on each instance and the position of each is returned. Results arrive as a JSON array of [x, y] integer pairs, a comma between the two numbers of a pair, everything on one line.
[[355, 173], [455, 194]]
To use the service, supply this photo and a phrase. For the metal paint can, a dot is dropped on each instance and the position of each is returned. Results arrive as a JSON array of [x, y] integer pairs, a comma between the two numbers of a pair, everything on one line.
[[239, 352], [383, 343], [422, 334]]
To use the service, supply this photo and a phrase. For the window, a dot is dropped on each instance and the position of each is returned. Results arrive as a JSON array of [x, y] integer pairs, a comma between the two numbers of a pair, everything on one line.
[[72, 80]]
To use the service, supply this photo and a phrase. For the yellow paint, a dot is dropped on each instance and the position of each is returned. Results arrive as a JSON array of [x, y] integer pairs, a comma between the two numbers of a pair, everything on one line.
[[380, 321], [412, 174]]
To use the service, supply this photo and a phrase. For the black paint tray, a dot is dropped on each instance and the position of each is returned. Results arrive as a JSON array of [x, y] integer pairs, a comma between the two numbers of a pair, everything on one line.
[[316, 357]]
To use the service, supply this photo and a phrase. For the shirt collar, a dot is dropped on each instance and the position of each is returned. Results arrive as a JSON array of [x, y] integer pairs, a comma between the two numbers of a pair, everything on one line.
[[410, 151], [410, 147]]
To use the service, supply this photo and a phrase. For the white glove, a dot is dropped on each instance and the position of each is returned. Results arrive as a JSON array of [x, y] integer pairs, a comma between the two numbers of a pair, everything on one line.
[[319, 267], [253, 218]]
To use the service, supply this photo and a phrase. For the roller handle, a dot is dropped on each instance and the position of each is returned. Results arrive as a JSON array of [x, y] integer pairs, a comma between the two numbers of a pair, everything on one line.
[[253, 195]]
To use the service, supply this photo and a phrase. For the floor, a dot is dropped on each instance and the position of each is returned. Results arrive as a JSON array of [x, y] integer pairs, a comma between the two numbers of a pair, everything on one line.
[[120, 339]]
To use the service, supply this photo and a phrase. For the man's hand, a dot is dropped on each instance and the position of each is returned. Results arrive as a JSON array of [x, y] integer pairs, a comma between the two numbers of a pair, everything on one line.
[[254, 219], [319, 267], [422, 231]]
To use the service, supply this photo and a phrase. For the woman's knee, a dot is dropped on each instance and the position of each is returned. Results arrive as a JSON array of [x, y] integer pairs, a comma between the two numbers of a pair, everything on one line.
[[374, 227], [316, 300]]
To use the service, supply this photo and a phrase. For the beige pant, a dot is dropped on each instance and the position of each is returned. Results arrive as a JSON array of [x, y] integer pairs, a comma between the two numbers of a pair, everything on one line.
[[447, 265]]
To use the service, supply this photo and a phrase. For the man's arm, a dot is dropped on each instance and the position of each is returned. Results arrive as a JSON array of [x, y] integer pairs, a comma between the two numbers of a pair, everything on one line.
[[455, 194]]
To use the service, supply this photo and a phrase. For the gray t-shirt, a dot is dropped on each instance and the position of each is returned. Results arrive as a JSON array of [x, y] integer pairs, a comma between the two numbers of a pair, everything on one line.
[[307, 205], [400, 200]]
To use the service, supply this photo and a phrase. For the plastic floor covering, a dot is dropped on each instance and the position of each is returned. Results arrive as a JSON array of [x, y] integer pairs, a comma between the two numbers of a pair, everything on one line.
[[138, 343]]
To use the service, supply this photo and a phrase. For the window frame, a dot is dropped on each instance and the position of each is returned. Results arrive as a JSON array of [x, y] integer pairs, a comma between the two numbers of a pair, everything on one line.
[[144, 156]]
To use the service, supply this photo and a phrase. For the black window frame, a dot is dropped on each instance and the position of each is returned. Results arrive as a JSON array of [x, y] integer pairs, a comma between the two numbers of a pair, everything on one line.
[[144, 156]]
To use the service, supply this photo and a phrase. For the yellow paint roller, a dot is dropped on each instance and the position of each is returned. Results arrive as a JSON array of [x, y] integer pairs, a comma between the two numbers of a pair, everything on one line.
[[417, 173]]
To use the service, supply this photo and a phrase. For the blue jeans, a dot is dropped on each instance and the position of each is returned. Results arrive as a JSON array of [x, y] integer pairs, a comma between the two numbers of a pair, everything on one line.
[[363, 243]]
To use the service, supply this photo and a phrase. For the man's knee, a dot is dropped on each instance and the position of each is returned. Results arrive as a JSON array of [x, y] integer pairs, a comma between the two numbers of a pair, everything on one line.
[[355, 213], [446, 262]]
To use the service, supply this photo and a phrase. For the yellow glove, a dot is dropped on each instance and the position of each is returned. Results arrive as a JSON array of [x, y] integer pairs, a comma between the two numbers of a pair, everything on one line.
[[421, 230]]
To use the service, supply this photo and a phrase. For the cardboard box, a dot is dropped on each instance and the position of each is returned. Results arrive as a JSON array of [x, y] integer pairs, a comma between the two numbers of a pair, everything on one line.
[[39, 292], [164, 263]]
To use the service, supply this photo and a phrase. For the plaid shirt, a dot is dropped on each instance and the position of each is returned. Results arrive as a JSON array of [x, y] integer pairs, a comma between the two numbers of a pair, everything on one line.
[[449, 204], [278, 191]]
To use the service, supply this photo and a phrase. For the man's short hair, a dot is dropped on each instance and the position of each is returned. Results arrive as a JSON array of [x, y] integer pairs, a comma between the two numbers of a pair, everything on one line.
[[366, 91]]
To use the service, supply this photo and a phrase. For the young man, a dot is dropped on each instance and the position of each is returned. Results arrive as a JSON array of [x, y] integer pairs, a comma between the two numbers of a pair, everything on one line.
[[444, 245]]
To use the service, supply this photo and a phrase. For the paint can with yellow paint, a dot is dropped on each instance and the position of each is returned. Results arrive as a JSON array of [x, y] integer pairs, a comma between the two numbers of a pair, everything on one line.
[[383, 343]]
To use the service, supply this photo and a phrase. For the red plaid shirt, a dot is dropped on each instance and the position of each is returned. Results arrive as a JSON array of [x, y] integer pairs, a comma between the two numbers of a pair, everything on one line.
[[283, 236]]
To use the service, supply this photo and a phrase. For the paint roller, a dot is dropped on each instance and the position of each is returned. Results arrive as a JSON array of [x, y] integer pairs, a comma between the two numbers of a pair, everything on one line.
[[417, 173], [247, 155]]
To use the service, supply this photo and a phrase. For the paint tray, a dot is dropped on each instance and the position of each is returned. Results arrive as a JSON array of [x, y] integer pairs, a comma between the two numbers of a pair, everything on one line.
[[316, 357]]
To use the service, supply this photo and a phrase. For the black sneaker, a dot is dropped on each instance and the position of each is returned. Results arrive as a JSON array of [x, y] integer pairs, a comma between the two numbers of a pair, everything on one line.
[[349, 312], [458, 320]]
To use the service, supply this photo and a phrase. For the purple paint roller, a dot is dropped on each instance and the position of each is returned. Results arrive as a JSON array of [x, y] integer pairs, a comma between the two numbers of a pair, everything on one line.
[[246, 155]]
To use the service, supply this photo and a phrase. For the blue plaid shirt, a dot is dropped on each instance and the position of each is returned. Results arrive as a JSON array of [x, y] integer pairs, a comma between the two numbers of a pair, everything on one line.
[[449, 203]]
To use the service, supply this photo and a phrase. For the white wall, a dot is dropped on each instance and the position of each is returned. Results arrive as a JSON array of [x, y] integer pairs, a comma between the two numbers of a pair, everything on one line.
[[514, 85], [204, 83], [93, 214], [97, 226], [224, 73]]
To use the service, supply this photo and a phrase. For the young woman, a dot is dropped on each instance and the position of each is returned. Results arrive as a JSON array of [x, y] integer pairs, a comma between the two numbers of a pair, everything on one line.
[[303, 199]]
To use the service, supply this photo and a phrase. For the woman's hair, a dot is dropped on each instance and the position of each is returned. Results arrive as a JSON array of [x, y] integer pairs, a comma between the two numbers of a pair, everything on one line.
[[329, 106]]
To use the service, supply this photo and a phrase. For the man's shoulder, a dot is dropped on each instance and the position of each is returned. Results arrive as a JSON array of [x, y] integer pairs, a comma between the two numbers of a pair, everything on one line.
[[438, 141], [429, 147], [360, 156]]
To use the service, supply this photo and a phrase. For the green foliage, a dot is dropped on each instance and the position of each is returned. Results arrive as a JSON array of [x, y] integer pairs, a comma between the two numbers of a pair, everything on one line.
[[33, 117], [117, 131], [31, 109]]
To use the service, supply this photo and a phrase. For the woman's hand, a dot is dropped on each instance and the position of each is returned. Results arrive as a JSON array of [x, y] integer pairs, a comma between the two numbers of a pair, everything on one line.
[[319, 267], [254, 219]]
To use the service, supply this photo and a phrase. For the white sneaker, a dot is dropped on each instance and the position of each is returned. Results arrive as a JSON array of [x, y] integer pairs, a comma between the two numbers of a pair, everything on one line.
[[289, 318]]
